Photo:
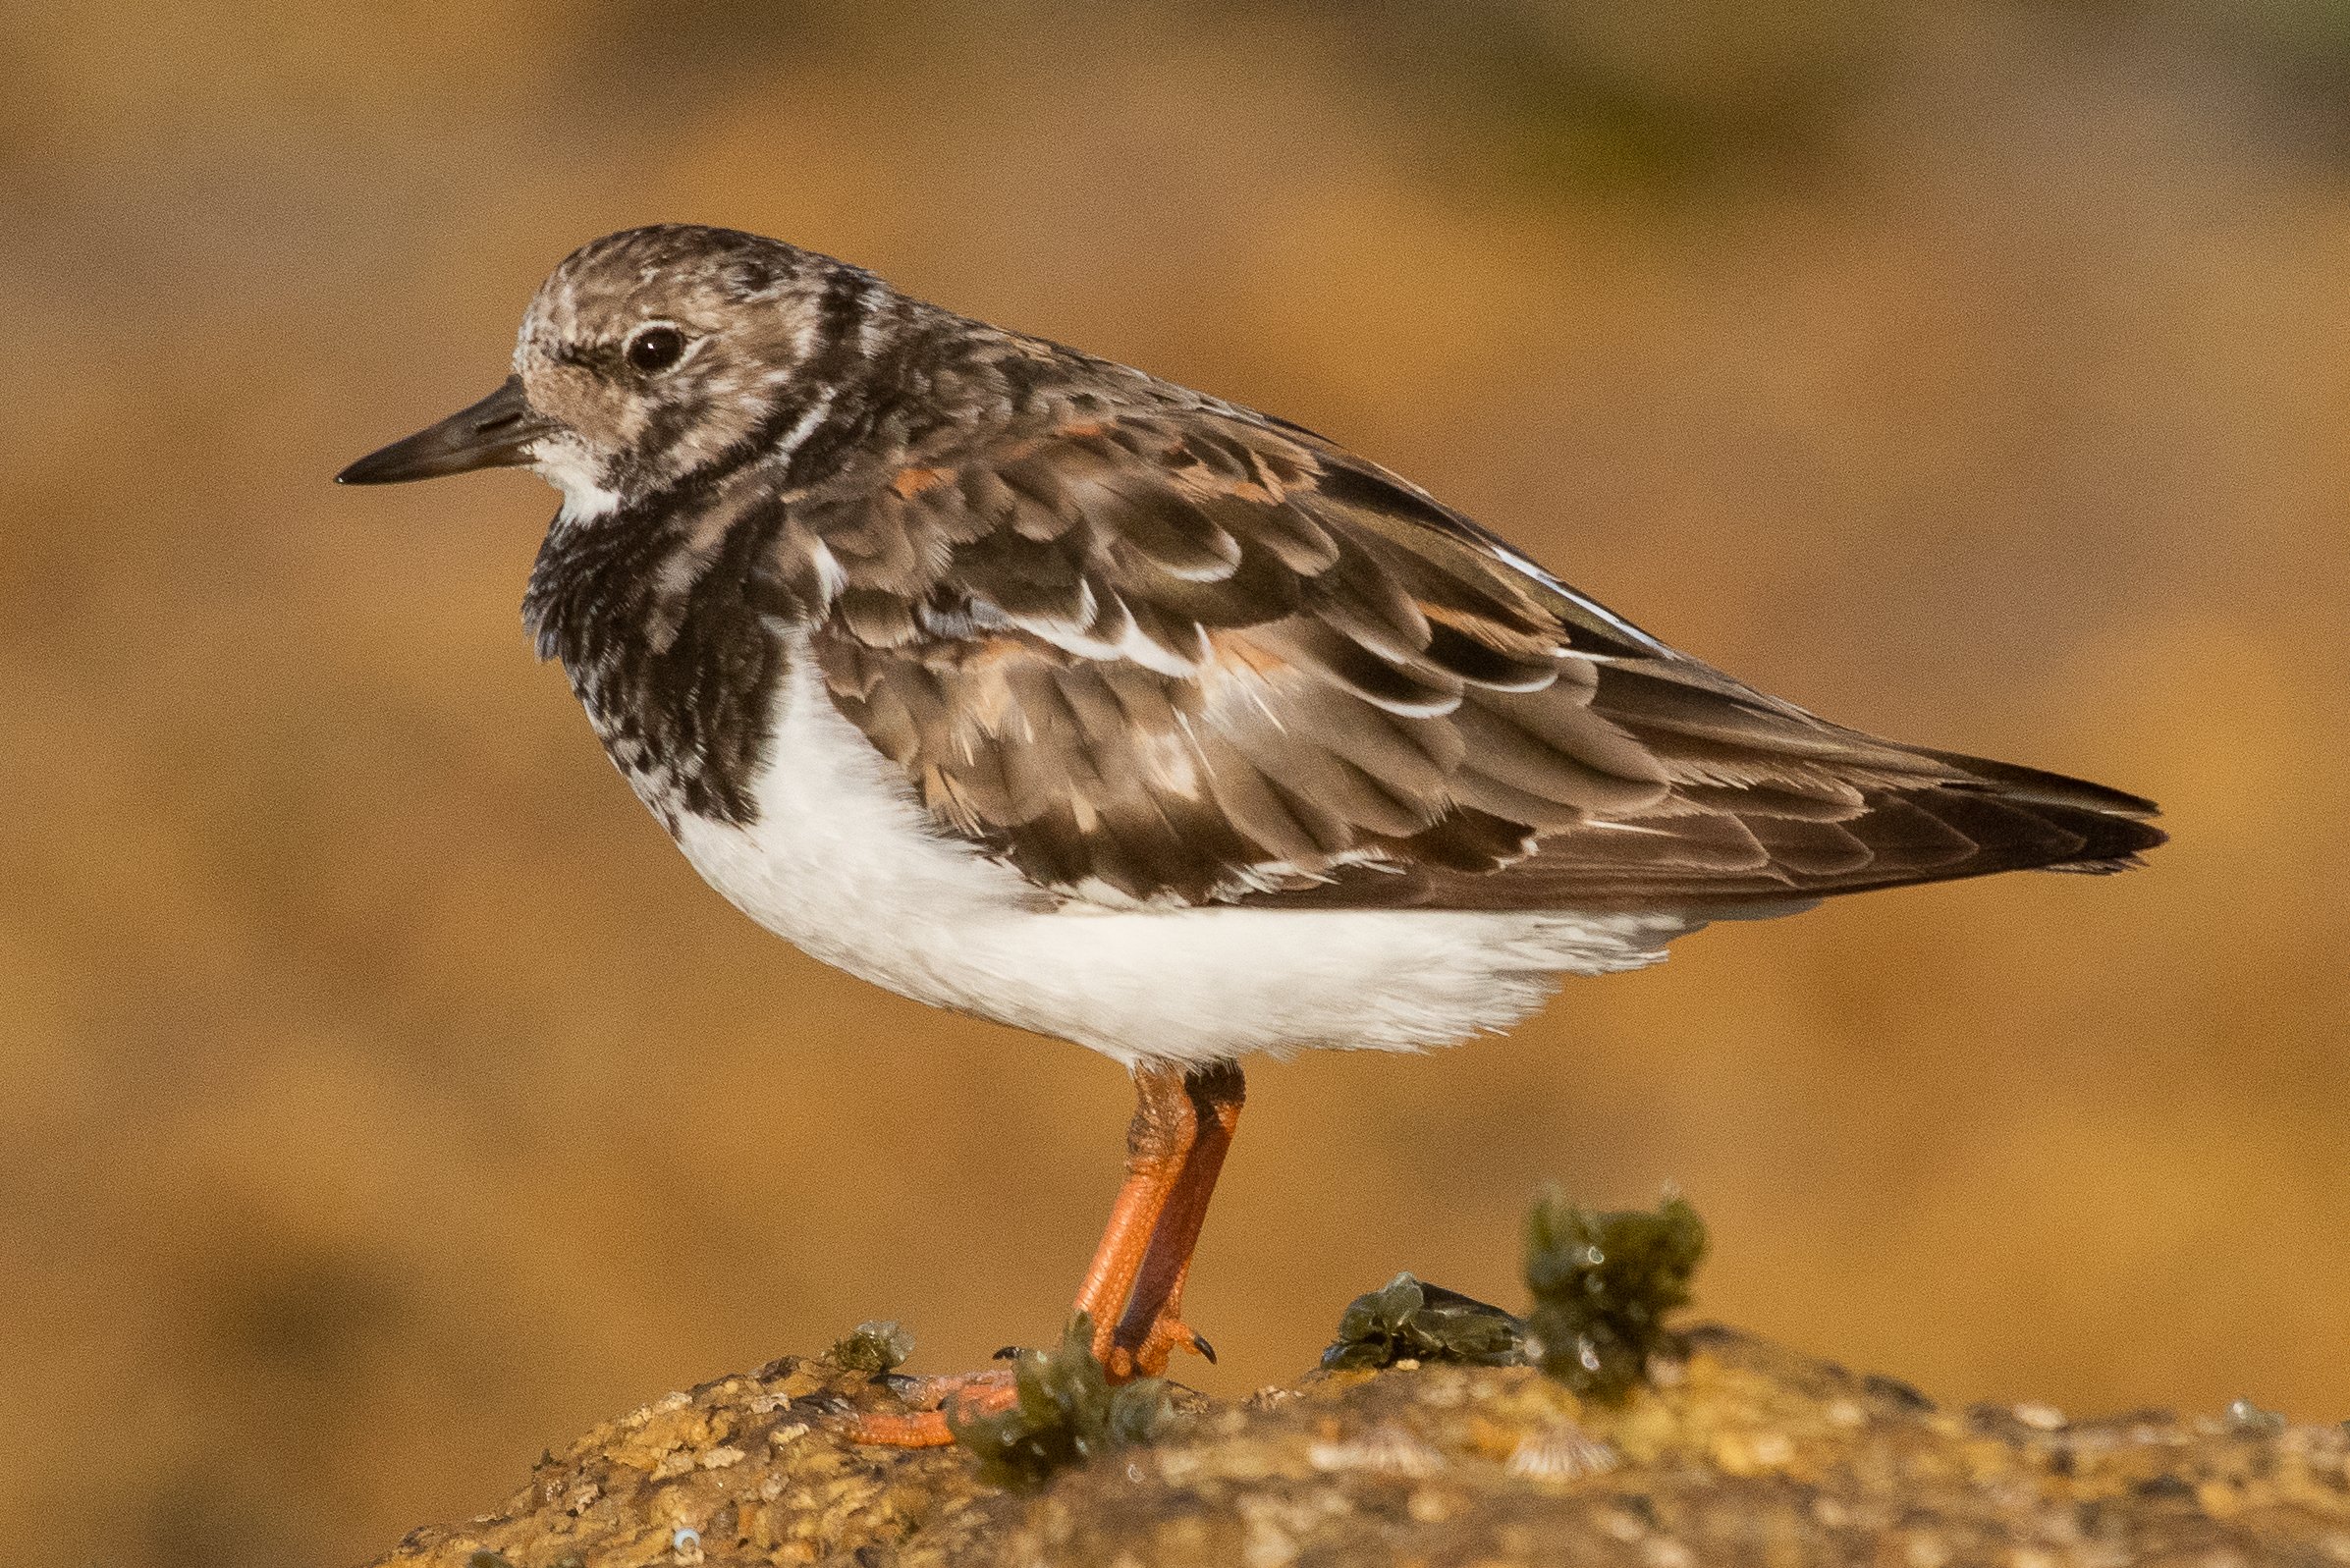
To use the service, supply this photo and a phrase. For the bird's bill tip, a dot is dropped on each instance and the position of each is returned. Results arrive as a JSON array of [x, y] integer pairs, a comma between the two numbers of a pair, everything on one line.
[[497, 432]]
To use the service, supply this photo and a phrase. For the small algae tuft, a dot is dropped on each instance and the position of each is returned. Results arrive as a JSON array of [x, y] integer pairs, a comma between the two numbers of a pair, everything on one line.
[[1410, 1320], [1603, 1283], [1065, 1410], [874, 1348]]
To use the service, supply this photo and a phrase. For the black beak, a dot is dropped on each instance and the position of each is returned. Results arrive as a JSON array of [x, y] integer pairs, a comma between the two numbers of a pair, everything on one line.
[[495, 433]]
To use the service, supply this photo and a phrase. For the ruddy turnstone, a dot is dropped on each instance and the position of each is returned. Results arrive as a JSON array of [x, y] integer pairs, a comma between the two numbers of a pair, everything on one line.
[[1030, 685]]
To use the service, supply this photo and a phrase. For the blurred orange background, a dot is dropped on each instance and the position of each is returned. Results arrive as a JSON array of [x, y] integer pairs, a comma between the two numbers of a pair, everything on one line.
[[382, 1099]]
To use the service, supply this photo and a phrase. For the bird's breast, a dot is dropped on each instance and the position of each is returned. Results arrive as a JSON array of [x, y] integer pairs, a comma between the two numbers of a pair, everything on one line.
[[676, 651]]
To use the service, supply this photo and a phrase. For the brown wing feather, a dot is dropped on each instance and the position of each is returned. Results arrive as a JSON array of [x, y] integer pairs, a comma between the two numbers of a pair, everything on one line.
[[1184, 655]]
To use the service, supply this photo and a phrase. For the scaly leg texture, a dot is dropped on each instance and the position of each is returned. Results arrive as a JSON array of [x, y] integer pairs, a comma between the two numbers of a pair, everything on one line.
[[1152, 1324], [1134, 1289]]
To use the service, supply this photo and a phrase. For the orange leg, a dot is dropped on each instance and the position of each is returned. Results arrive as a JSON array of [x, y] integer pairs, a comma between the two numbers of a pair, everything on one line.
[[1159, 1145], [1133, 1289], [1152, 1324]]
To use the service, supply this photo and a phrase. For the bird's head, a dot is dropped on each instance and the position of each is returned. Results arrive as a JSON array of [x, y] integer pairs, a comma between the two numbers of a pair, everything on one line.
[[647, 357]]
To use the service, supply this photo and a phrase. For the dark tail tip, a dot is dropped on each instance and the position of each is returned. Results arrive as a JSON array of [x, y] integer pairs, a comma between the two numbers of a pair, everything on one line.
[[2112, 826]]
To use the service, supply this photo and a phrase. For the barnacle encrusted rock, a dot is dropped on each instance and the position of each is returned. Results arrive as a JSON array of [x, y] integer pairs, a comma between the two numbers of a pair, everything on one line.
[[1737, 1452]]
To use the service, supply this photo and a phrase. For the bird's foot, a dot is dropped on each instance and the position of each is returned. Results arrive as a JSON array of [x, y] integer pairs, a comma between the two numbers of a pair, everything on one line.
[[1148, 1356], [966, 1395], [1130, 1308], [941, 1402]]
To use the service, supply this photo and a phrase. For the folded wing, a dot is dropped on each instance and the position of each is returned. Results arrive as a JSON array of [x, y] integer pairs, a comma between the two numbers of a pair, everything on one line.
[[1190, 656]]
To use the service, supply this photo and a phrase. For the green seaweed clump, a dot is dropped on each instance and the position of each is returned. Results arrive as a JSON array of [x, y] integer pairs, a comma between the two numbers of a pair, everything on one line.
[[1065, 1410], [1603, 1284], [874, 1348], [1410, 1320]]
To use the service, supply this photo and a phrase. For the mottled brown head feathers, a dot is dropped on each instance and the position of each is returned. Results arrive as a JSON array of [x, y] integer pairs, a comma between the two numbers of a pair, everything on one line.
[[663, 352]]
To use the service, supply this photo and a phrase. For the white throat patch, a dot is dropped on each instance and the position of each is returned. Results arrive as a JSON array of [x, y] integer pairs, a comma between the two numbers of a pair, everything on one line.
[[559, 460]]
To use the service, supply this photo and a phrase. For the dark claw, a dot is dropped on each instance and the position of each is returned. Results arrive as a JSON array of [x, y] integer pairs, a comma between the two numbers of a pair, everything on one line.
[[1199, 1342], [1013, 1353]]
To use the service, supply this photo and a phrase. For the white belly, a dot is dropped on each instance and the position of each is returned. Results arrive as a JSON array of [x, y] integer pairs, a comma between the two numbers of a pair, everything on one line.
[[844, 863]]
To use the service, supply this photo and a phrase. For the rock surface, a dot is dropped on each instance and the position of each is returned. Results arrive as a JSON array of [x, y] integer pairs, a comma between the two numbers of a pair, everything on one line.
[[1741, 1453]]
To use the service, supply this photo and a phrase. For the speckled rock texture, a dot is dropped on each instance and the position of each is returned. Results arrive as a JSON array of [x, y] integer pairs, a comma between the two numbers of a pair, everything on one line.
[[1741, 1453]]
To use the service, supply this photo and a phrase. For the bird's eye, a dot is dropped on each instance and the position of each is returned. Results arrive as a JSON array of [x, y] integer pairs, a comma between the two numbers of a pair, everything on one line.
[[654, 348]]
